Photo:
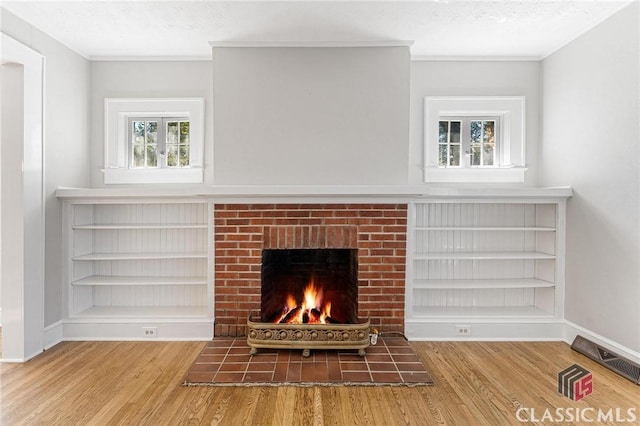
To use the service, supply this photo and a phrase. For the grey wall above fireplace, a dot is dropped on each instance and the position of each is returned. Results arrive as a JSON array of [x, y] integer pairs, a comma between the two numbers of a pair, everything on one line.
[[311, 115]]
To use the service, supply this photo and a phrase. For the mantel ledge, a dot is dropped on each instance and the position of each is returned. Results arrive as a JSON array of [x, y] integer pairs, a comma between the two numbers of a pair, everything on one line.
[[313, 193]]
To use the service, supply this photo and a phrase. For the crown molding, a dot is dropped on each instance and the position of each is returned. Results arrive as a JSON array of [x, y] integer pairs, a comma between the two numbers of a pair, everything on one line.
[[321, 43], [418, 58]]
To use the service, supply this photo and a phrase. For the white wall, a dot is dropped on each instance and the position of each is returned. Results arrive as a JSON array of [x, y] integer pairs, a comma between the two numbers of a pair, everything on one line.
[[147, 79], [591, 141], [474, 78], [311, 115], [65, 141]]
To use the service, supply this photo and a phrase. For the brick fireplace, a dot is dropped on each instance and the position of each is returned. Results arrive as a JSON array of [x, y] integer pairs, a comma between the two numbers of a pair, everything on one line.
[[376, 231]]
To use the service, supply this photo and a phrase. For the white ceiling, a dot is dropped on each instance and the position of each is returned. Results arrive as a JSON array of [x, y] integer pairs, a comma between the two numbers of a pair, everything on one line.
[[103, 29]]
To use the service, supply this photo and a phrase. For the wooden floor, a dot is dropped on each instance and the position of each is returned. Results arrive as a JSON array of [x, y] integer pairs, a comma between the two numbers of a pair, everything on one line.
[[140, 383]]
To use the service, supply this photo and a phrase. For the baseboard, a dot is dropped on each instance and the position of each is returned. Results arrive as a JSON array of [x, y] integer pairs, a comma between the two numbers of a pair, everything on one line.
[[19, 360], [572, 330], [53, 335], [480, 330], [109, 331]]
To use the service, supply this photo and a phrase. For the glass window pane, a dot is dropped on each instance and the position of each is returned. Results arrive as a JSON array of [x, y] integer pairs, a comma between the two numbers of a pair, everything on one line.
[[442, 156], [476, 131], [454, 157], [172, 155], [443, 129], [455, 132], [138, 156], [172, 132], [138, 128], [152, 131], [184, 132], [138, 131], [184, 155], [475, 155], [488, 155], [489, 133], [152, 157]]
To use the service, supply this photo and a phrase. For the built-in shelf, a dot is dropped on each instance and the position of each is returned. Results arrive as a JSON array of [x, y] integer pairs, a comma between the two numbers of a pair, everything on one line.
[[148, 312], [481, 283], [141, 256], [476, 260], [485, 228], [123, 226], [139, 262], [108, 280], [481, 312], [478, 255]]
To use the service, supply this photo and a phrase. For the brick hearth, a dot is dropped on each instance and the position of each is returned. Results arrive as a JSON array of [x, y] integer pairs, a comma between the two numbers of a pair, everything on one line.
[[378, 231]]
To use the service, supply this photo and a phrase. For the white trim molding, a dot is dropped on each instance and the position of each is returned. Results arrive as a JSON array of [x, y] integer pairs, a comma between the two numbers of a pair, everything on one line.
[[310, 43], [53, 334], [23, 210], [511, 110], [116, 158]]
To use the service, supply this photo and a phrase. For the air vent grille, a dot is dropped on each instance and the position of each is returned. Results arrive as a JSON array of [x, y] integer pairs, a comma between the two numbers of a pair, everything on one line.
[[614, 362]]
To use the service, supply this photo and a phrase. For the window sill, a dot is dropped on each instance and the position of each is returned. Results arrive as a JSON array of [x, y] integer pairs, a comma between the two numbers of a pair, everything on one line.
[[116, 176], [475, 175]]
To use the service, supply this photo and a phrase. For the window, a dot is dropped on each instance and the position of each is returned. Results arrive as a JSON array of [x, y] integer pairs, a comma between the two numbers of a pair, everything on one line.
[[154, 140], [468, 142], [474, 139]]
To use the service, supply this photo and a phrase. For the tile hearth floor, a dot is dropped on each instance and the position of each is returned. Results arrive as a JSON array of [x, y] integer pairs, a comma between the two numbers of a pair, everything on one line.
[[226, 361]]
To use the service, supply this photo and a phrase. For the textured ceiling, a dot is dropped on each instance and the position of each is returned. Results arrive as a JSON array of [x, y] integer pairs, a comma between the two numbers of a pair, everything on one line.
[[439, 29]]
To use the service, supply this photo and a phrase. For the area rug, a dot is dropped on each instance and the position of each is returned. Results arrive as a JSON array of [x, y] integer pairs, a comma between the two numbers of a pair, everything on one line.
[[226, 362]]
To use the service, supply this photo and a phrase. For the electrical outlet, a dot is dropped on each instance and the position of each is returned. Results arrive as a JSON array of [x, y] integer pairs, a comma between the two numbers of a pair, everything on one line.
[[463, 330], [150, 332]]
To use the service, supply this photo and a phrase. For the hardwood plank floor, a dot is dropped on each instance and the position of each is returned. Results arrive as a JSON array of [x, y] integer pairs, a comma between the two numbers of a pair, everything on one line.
[[476, 383]]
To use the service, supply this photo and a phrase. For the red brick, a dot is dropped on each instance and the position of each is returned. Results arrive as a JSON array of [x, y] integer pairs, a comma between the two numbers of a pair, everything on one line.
[[321, 213], [222, 214], [384, 247], [226, 244], [227, 275]]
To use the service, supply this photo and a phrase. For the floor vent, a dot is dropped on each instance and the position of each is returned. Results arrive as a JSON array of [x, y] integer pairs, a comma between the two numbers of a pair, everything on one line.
[[627, 369]]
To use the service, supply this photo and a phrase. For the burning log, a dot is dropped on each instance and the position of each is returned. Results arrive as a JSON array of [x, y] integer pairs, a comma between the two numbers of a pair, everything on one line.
[[330, 320], [291, 316]]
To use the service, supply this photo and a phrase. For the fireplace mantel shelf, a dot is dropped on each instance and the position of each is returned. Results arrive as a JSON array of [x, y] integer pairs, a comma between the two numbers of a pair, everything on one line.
[[329, 193]]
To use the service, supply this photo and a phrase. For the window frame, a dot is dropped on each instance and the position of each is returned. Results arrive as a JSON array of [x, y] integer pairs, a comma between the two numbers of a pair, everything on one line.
[[162, 143], [118, 149], [508, 111], [465, 139]]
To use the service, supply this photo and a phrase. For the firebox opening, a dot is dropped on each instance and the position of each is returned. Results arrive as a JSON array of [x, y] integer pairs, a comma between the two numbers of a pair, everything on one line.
[[309, 286]]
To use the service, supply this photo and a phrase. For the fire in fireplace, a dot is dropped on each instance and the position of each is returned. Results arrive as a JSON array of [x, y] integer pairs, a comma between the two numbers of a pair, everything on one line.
[[309, 286], [309, 301]]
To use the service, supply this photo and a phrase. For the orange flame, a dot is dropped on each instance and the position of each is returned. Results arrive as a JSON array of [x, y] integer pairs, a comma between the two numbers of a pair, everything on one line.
[[311, 310]]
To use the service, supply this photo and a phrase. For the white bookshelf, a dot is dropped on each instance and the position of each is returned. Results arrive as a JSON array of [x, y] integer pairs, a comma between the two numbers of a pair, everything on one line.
[[487, 264], [139, 264]]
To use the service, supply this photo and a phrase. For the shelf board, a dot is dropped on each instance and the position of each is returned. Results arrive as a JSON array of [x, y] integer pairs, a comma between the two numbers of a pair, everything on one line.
[[486, 228], [141, 256], [133, 226], [112, 312], [479, 312], [480, 255], [97, 280], [481, 283]]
